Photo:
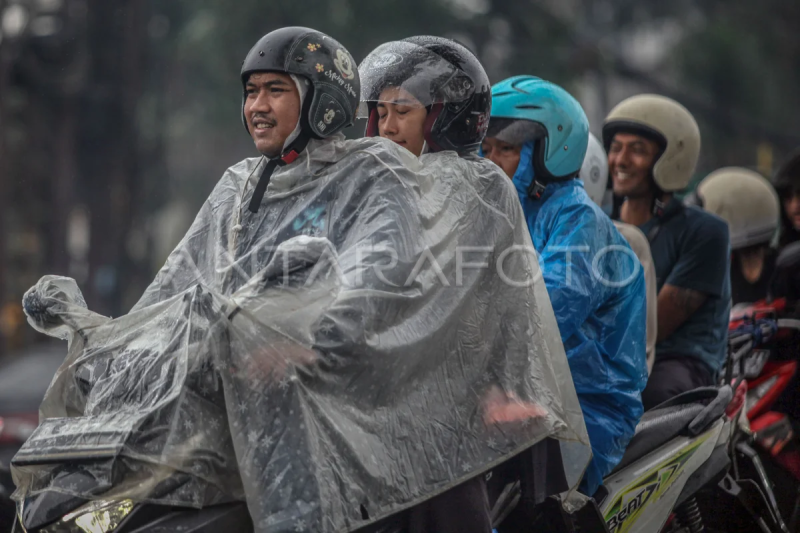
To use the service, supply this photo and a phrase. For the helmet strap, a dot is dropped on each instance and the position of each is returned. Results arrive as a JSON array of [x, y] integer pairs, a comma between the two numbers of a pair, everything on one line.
[[372, 121], [536, 190], [659, 205], [430, 121], [289, 155], [541, 175]]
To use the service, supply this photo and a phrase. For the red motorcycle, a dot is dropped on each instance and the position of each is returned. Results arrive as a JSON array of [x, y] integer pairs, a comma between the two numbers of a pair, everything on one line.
[[769, 371]]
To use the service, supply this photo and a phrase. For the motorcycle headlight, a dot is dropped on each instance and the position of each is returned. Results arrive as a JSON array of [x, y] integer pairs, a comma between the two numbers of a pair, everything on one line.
[[94, 517]]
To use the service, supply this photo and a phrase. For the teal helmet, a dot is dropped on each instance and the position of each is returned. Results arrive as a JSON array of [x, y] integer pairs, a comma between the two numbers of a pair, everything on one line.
[[527, 108]]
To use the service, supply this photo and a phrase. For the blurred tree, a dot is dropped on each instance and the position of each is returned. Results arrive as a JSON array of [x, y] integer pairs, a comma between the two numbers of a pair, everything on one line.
[[73, 74], [733, 63], [5, 329], [108, 143], [745, 61]]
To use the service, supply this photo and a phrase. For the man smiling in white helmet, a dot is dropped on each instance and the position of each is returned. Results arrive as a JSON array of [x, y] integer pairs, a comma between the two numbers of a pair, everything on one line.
[[653, 144]]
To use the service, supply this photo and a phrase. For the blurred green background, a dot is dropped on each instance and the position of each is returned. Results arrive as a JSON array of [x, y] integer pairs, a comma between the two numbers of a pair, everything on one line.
[[117, 117]]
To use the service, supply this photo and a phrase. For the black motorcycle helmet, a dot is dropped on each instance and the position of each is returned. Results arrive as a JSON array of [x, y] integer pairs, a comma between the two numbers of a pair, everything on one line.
[[325, 63], [787, 183], [332, 99], [444, 76]]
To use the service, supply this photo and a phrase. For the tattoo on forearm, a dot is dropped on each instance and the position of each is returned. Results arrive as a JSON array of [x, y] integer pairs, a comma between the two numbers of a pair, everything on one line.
[[688, 298]]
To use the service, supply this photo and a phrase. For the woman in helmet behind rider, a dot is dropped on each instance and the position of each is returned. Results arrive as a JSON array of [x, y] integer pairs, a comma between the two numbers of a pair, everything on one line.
[[748, 203], [432, 96], [427, 94]]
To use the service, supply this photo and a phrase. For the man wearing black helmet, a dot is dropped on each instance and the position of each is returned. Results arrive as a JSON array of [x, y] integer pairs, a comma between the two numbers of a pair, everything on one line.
[[271, 109]]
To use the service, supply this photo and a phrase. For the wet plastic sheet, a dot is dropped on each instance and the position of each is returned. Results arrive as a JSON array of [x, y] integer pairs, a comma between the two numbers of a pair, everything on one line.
[[137, 408], [350, 350]]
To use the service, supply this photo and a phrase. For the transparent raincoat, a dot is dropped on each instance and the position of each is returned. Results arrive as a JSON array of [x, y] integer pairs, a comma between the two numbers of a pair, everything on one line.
[[375, 334]]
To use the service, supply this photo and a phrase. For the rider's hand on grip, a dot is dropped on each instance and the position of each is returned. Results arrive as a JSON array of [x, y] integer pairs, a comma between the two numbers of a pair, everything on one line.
[[39, 308]]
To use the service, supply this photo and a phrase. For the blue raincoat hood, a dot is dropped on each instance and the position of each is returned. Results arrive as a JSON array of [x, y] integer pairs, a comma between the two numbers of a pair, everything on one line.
[[524, 176]]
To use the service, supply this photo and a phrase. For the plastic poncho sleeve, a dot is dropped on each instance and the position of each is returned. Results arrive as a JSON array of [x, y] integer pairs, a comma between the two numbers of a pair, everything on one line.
[[183, 259], [340, 332]]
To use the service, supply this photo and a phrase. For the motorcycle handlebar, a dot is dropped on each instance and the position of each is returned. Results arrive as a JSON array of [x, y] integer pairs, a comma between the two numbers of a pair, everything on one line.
[[789, 323]]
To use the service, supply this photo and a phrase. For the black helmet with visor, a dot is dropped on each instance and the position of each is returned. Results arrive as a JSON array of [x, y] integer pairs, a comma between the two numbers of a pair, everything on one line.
[[438, 74]]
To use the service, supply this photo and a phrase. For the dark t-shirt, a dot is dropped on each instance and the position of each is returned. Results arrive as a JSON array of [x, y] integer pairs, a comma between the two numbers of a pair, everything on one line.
[[692, 250], [742, 290]]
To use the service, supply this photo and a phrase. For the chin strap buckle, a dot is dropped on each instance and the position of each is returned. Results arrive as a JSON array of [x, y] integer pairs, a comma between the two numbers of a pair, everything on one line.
[[261, 187], [290, 157], [536, 190], [659, 207]]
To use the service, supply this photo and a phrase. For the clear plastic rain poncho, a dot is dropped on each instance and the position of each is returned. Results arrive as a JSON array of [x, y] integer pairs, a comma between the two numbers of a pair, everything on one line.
[[334, 358]]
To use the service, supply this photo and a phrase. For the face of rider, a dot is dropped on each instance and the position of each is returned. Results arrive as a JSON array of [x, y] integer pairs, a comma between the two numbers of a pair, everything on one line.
[[630, 161], [271, 109], [502, 154], [401, 118], [791, 205]]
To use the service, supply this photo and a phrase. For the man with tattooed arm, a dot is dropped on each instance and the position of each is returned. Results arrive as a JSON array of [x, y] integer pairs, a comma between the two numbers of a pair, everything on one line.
[[653, 144]]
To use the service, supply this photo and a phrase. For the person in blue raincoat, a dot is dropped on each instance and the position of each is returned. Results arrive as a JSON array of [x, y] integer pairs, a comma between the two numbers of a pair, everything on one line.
[[538, 134]]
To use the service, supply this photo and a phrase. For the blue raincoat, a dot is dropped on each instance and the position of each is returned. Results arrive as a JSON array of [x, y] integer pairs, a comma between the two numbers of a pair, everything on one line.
[[597, 289]]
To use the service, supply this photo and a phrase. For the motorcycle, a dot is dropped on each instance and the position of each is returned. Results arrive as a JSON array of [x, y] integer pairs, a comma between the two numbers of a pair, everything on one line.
[[681, 451], [769, 376], [772, 374], [701, 451]]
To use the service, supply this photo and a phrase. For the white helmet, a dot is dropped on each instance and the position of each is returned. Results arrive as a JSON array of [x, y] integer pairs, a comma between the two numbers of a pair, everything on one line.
[[745, 200], [668, 123], [594, 171]]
